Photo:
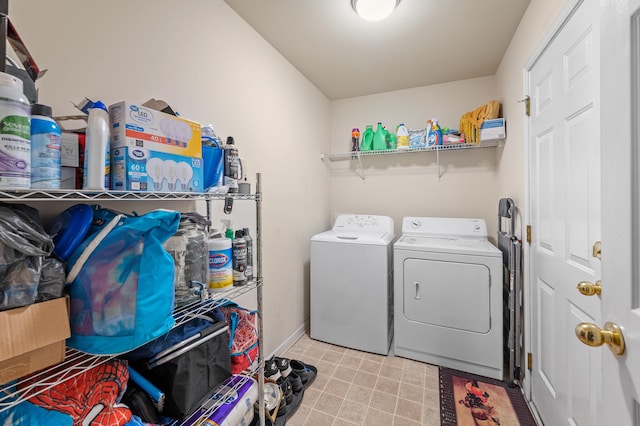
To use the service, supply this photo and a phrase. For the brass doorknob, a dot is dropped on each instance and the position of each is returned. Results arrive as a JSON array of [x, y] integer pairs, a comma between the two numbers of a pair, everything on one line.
[[592, 335], [590, 289]]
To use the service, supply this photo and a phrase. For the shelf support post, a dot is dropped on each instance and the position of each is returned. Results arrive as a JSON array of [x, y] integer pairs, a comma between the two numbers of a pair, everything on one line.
[[4, 18]]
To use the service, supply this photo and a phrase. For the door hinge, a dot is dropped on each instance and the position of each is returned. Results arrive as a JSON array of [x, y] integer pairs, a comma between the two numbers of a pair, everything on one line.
[[529, 361], [529, 234], [527, 105]]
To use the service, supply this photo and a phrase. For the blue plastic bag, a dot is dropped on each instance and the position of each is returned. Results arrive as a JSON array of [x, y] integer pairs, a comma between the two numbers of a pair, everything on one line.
[[120, 281]]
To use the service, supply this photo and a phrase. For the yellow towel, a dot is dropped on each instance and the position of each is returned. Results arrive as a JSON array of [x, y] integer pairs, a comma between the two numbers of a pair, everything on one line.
[[470, 122]]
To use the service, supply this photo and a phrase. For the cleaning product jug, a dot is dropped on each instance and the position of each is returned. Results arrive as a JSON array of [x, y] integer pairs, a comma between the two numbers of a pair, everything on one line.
[[402, 137], [435, 135], [380, 138], [367, 139], [391, 140], [45, 148]]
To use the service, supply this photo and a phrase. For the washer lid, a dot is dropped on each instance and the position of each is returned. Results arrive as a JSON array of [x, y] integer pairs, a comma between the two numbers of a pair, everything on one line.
[[359, 229], [351, 237], [473, 247]]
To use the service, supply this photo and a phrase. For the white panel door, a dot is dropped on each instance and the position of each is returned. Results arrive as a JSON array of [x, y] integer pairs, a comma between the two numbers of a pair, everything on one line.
[[564, 212], [620, 86]]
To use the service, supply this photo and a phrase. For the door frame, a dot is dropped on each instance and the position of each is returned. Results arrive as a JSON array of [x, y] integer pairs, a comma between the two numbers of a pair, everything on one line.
[[559, 22]]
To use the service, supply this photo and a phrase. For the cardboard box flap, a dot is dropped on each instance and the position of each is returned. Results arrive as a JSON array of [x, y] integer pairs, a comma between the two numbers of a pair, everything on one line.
[[35, 326]]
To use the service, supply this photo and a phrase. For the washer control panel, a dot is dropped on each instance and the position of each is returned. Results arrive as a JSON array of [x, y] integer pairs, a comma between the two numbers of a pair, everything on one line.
[[363, 223]]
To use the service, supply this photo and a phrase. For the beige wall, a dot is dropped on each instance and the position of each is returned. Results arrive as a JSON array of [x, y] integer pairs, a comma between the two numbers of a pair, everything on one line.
[[401, 185], [528, 37], [213, 68]]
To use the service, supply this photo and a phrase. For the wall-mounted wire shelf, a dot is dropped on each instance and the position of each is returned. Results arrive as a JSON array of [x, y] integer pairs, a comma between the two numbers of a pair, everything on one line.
[[450, 147], [359, 155]]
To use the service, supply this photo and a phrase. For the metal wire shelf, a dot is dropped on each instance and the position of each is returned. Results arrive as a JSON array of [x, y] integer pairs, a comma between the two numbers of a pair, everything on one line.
[[75, 195], [359, 155], [77, 362]]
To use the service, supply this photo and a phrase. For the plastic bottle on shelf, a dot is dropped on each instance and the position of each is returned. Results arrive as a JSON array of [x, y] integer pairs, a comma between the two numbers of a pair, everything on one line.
[[247, 238], [379, 138], [96, 156], [435, 134], [45, 148], [367, 139], [188, 247], [391, 140], [239, 258], [402, 139], [15, 143], [232, 172], [355, 139]]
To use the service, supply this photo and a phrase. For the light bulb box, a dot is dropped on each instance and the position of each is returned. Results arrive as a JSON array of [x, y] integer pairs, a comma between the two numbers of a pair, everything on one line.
[[140, 170], [493, 129], [154, 151]]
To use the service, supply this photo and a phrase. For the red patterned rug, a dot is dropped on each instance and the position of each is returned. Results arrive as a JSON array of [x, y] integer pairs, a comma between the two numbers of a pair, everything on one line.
[[470, 400]]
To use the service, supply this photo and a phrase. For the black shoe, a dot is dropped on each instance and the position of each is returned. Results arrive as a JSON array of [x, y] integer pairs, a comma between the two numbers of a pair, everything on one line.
[[306, 372], [296, 382], [271, 370], [283, 366]]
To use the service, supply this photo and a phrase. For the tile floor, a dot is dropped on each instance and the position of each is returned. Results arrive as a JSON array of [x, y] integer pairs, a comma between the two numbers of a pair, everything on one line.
[[360, 388]]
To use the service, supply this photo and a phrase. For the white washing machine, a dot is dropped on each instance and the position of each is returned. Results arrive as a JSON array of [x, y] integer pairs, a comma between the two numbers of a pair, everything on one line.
[[448, 295], [352, 283]]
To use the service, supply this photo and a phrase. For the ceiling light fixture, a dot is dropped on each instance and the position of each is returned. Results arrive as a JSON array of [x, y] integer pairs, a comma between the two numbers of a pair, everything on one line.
[[374, 10]]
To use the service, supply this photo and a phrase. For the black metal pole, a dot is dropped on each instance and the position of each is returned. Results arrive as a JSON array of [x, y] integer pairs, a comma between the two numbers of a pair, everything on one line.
[[4, 16]]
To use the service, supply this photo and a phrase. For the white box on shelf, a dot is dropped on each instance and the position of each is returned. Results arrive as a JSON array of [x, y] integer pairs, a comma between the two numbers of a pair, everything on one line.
[[493, 129], [70, 154]]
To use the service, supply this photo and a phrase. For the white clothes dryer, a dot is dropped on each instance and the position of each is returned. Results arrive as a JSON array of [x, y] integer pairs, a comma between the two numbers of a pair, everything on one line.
[[448, 295], [352, 283]]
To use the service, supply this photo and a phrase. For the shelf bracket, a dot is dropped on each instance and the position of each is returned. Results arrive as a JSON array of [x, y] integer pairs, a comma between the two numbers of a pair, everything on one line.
[[438, 161], [361, 174]]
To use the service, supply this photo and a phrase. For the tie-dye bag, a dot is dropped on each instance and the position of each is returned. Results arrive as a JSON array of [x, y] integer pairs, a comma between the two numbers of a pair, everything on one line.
[[243, 335], [120, 280]]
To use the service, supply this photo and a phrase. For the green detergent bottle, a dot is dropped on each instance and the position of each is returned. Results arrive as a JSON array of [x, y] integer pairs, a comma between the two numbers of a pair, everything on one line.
[[392, 143], [366, 143], [380, 138]]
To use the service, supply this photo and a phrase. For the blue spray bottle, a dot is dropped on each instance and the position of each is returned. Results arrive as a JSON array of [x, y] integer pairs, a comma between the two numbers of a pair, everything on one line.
[[435, 134]]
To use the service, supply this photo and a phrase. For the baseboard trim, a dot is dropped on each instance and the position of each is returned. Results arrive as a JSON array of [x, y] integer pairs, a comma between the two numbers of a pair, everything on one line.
[[284, 346]]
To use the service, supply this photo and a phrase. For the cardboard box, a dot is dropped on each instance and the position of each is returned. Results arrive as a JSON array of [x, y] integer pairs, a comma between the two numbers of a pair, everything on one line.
[[33, 337], [154, 151], [68, 178], [493, 129], [134, 169], [72, 160], [139, 127], [70, 154]]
